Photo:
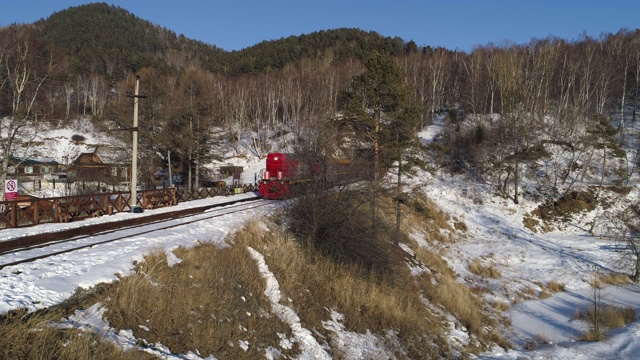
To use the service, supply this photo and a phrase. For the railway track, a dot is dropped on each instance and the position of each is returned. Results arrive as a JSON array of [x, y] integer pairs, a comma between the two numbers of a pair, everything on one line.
[[31, 248]]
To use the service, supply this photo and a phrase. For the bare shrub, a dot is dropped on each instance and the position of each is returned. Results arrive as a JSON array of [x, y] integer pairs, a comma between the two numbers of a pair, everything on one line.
[[78, 139], [338, 224], [531, 223], [566, 206]]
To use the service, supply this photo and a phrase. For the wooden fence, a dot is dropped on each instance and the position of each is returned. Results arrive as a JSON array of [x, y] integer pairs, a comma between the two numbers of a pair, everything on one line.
[[34, 211]]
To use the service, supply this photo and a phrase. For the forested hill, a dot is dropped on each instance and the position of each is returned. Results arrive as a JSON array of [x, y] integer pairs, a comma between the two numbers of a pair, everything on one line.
[[99, 38], [105, 39], [314, 50]]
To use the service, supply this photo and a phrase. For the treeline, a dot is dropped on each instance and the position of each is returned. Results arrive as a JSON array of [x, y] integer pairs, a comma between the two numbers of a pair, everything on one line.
[[570, 99], [548, 90]]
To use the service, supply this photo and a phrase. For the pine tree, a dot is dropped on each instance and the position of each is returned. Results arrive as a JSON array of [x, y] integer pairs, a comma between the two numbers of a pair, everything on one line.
[[377, 108]]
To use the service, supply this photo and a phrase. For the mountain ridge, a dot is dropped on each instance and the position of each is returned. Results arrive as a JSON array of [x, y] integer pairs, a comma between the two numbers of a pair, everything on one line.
[[102, 38]]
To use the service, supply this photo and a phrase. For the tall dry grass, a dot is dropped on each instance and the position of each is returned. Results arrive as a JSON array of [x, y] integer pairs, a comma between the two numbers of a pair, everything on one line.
[[604, 317], [477, 267], [423, 214], [441, 286], [317, 285], [211, 303], [31, 336]]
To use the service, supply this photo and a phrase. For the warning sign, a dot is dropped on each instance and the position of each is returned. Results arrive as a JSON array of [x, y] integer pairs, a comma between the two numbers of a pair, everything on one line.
[[10, 189]]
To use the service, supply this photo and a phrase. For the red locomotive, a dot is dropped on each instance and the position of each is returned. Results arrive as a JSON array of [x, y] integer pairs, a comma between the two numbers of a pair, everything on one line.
[[280, 171], [286, 173]]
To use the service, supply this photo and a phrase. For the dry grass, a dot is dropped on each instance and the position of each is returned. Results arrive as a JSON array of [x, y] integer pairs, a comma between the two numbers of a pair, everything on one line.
[[441, 287], [536, 343], [555, 286], [425, 215], [614, 279], [460, 226], [592, 335], [501, 305], [316, 285], [609, 316], [549, 289], [208, 303], [476, 267], [31, 336], [602, 318], [528, 293], [545, 294]]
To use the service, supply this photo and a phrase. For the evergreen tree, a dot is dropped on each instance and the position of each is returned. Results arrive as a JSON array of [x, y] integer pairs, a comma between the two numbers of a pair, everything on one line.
[[378, 110]]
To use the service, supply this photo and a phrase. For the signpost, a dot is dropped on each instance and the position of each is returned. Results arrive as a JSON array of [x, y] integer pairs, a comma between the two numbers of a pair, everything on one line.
[[10, 189]]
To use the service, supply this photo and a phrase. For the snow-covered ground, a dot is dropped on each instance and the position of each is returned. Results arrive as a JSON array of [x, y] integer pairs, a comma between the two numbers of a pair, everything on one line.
[[495, 234], [524, 259]]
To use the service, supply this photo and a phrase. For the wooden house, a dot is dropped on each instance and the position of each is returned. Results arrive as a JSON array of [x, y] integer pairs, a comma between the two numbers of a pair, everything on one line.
[[34, 169], [89, 167]]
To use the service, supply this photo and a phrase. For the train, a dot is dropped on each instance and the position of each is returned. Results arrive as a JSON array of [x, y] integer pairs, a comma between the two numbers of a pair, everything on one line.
[[287, 174]]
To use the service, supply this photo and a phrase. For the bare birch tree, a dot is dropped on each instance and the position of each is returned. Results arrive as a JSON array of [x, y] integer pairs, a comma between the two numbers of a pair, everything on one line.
[[25, 65]]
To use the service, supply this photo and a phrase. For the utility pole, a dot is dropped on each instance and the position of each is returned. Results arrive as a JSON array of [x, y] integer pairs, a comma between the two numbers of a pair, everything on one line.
[[169, 166], [133, 202]]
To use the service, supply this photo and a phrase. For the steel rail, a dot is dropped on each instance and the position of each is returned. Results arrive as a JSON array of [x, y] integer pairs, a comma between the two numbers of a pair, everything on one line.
[[79, 237]]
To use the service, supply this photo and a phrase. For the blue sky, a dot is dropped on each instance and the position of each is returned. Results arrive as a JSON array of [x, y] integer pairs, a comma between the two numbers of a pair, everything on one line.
[[453, 24]]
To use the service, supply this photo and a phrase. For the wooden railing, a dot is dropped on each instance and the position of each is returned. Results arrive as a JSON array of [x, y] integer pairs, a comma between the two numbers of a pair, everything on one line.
[[34, 211]]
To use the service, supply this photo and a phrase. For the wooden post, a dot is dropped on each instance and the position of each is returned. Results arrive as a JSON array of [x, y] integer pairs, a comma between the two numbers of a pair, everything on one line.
[[14, 214]]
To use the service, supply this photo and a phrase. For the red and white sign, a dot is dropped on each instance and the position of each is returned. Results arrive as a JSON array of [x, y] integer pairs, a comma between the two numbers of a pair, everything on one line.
[[10, 189]]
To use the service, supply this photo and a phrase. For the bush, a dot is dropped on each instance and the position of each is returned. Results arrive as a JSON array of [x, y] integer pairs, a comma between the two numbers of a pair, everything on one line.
[[339, 225]]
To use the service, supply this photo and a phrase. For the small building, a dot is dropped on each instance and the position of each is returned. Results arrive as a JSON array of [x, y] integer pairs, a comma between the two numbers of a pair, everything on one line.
[[34, 174], [34, 169], [89, 167]]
